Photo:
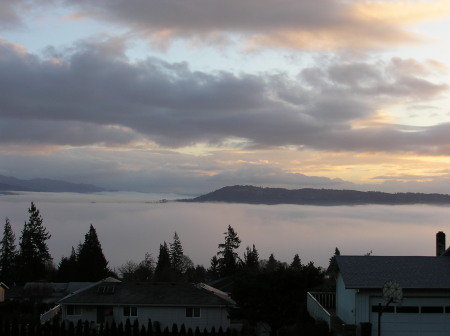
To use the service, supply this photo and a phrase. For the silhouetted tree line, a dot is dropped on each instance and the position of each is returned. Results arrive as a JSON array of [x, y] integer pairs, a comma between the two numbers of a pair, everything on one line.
[[14, 328], [266, 290], [31, 259]]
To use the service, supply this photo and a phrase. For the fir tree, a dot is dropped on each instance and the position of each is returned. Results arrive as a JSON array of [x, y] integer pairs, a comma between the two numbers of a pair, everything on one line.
[[163, 271], [296, 264], [92, 264], [34, 255], [332, 269], [68, 268], [213, 270], [228, 257], [251, 259], [8, 254], [176, 254], [272, 264]]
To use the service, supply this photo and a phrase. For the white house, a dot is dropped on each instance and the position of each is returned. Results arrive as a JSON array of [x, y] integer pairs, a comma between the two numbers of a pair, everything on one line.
[[424, 309], [167, 303]]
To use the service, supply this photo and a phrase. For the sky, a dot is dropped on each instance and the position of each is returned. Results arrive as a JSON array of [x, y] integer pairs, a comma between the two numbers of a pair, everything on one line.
[[170, 96]]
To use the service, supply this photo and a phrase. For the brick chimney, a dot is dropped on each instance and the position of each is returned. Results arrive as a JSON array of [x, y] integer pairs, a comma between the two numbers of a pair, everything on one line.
[[440, 243]]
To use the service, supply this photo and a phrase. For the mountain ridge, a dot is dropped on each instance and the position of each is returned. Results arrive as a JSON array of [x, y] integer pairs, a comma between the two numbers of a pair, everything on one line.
[[308, 196], [8, 184]]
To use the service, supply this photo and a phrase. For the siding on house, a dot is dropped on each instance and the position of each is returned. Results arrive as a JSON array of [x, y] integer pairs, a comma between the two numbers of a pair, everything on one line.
[[166, 303], [362, 307], [425, 282], [166, 316], [345, 301]]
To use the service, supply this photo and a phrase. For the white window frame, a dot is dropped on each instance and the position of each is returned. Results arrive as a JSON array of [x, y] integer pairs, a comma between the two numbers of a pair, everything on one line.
[[129, 311], [76, 310]]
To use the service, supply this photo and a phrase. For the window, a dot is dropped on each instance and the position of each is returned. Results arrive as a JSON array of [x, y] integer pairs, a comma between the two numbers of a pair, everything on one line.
[[106, 289], [432, 310], [447, 309], [130, 311], [408, 309], [388, 309], [73, 310], [192, 312]]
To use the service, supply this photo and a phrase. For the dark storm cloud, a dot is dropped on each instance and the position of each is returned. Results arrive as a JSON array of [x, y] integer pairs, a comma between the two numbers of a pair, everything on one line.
[[71, 133], [236, 15], [94, 94], [284, 23]]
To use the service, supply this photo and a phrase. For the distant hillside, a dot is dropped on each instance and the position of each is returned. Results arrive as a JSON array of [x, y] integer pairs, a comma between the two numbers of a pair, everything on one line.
[[257, 195], [44, 185]]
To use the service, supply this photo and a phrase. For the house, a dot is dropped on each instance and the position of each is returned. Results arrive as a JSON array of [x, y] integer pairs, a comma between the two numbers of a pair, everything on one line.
[[424, 308], [194, 305]]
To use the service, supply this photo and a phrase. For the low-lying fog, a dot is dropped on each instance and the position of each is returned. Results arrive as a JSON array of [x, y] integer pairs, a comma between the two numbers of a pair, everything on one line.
[[129, 225]]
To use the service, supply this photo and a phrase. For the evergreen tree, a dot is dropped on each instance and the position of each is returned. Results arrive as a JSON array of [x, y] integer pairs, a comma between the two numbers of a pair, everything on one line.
[[296, 264], [176, 254], [136, 328], [275, 298], [213, 270], [149, 327], [183, 330], [228, 260], [196, 275], [8, 254], [175, 329], [163, 271], [34, 256], [68, 268], [332, 269], [272, 264], [251, 259], [92, 264]]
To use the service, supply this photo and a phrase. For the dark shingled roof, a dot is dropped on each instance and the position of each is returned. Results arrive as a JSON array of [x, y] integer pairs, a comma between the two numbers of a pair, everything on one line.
[[148, 294], [365, 272]]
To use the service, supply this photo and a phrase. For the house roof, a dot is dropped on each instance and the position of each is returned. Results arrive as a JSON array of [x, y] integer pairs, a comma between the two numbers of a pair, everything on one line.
[[148, 294], [366, 272]]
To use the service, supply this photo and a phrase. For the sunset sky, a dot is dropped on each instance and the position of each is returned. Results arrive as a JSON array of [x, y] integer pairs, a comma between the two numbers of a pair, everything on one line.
[[187, 96]]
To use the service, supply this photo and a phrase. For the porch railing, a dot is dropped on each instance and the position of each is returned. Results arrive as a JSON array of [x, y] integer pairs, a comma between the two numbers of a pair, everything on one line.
[[48, 315], [319, 305]]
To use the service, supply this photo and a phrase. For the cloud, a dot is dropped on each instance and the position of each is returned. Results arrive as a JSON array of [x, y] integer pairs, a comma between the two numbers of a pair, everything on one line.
[[9, 18], [251, 24], [297, 24], [93, 94], [13, 13]]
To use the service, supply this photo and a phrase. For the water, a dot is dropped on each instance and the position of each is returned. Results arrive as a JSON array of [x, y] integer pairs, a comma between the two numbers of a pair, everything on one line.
[[131, 224]]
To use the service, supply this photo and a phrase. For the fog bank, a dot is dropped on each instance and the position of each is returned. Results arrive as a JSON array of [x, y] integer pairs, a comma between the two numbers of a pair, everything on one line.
[[130, 224]]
